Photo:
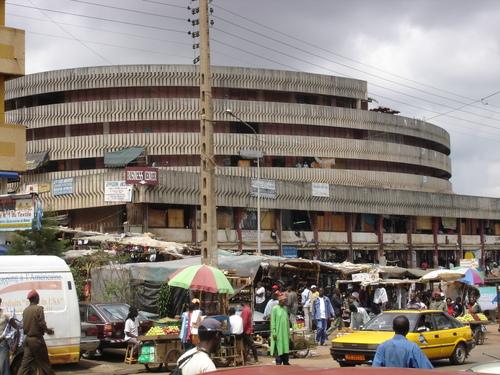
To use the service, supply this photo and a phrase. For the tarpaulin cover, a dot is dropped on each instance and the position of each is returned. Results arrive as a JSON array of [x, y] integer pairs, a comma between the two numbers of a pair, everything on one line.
[[36, 159], [122, 157]]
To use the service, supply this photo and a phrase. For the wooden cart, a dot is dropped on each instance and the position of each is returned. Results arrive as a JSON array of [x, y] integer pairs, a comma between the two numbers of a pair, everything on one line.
[[167, 350]]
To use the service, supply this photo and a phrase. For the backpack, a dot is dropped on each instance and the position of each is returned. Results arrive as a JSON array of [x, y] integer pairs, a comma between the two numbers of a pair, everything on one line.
[[178, 369]]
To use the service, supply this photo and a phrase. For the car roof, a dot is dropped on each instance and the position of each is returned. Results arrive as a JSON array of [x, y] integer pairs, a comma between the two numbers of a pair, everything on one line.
[[297, 370]]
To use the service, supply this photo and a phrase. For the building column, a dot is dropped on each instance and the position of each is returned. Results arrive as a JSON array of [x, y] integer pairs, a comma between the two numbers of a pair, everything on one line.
[[379, 228], [193, 222], [460, 254], [314, 221], [482, 239], [435, 230], [411, 258], [279, 230], [349, 225], [238, 216]]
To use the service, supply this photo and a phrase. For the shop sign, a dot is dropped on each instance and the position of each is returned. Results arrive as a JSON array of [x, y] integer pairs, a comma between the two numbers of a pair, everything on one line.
[[290, 252], [469, 263], [488, 298], [16, 214], [37, 188], [117, 191], [364, 277], [320, 189], [141, 175], [63, 186], [267, 188]]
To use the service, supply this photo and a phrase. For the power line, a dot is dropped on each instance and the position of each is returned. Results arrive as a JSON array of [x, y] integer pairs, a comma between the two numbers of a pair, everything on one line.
[[74, 37], [100, 18], [128, 10], [465, 105], [166, 4], [344, 57], [373, 84]]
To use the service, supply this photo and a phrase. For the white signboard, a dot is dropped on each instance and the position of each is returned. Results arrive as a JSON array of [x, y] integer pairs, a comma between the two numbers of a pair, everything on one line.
[[267, 188], [62, 186], [319, 189], [364, 277], [117, 191]]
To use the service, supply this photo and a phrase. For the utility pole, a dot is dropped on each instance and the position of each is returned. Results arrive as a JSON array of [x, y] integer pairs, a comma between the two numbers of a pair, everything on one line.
[[207, 181]]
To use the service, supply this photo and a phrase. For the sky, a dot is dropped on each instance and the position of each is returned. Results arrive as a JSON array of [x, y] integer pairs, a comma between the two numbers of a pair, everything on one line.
[[432, 60]]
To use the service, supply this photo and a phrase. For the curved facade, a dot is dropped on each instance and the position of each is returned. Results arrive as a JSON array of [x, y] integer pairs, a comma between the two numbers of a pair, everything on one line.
[[302, 119], [387, 177]]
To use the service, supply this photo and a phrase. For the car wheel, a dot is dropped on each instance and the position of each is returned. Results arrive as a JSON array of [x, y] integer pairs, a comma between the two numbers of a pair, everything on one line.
[[459, 355]]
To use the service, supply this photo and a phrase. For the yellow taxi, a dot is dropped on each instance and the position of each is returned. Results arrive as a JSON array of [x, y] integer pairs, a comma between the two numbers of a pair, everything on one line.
[[439, 335]]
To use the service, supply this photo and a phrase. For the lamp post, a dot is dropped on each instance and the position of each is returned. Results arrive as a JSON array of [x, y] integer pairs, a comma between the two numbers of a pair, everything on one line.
[[254, 155]]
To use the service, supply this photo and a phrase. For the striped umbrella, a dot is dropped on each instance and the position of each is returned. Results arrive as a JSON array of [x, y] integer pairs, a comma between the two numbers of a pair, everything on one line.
[[472, 277], [203, 278]]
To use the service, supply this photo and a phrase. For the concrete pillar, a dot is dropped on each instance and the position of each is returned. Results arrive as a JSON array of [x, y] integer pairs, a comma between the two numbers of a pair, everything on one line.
[[379, 229], [238, 216], [460, 254], [482, 239], [435, 229], [314, 220], [411, 256], [279, 230], [193, 222], [349, 228]]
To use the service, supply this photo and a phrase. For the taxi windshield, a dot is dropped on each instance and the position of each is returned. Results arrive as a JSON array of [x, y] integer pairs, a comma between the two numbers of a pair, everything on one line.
[[383, 322]]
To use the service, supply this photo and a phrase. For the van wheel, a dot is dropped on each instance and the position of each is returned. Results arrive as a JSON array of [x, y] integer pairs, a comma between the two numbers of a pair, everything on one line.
[[154, 368], [459, 355]]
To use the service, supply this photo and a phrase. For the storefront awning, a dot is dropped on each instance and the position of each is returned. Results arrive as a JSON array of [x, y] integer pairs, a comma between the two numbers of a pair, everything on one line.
[[36, 160], [9, 175], [123, 157]]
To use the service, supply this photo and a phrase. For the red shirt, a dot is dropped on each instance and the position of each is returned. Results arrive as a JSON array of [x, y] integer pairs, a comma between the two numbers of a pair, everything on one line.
[[246, 315]]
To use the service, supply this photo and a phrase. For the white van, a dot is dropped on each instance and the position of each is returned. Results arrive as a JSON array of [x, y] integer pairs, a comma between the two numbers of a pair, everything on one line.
[[53, 280]]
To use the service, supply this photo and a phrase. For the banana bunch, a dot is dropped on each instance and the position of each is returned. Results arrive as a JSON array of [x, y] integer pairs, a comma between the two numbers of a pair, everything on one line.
[[467, 318]]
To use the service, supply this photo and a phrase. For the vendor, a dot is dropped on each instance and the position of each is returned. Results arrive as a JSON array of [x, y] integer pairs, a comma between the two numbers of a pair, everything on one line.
[[132, 330], [473, 306]]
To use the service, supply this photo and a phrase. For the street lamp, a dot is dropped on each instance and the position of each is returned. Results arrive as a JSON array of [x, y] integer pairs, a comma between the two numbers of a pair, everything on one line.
[[253, 155]]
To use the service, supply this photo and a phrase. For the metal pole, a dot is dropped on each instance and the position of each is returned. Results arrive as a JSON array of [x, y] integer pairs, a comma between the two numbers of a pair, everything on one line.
[[207, 180], [259, 251]]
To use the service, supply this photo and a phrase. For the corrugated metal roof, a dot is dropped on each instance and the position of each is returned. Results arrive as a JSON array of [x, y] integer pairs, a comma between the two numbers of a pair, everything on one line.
[[121, 158]]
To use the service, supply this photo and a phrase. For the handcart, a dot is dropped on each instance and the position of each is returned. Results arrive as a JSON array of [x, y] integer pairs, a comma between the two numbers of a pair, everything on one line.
[[301, 343], [160, 351]]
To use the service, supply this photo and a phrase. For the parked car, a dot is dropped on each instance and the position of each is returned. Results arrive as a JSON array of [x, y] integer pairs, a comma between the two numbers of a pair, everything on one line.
[[107, 322], [439, 335]]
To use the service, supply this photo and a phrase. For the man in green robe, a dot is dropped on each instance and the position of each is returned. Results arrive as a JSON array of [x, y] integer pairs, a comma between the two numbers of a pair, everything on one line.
[[280, 332]]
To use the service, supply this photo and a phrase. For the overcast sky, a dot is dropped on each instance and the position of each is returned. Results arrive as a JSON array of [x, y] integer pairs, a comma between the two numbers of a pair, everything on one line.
[[424, 58]]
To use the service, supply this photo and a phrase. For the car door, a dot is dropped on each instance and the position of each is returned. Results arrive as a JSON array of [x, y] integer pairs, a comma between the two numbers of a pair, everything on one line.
[[427, 336], [446, 332]]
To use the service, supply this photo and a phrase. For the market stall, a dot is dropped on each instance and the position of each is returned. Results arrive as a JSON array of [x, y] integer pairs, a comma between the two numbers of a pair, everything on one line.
[[161, 345]]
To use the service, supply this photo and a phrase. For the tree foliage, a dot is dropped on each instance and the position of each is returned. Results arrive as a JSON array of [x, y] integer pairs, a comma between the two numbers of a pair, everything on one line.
[[43, 241]]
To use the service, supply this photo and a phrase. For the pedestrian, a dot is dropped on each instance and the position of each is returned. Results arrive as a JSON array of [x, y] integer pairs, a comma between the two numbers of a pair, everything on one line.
[[413, 303], [359, 316], [280, 333], [437, 303], [458, 307], [197, 360], [399, 351], [36, 355], [322, 313], [6, 319], [235, 322], [306, 307], [355, 299], [194, 322], [292, 304], [260, 297], [337, 304], [473, 306], [132, 329], [185, 333], [270, 304], [246, 316]]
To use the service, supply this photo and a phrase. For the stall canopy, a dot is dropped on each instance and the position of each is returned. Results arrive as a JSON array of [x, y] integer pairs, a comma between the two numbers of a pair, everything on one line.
[[121, 158], [36, 160]]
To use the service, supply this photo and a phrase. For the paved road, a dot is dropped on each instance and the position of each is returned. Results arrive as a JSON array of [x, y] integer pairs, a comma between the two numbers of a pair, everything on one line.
[[112, 363]]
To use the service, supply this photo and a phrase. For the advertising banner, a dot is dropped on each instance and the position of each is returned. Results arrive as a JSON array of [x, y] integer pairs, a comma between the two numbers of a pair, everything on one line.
[[319, 189], [267, 188], [117, 191], [16, 214]]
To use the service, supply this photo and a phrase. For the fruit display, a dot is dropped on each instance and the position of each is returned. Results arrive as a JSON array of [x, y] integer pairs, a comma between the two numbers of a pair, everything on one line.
[[160, 331], [468, 318]]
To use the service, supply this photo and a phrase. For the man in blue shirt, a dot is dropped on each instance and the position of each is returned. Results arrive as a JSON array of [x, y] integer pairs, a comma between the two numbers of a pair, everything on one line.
[[399, 351]]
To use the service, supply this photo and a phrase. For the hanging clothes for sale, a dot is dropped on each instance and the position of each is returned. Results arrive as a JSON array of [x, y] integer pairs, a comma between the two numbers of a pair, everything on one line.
[[380, 296]]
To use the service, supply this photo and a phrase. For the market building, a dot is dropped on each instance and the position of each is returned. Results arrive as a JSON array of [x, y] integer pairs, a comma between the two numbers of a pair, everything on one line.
[[117, 148]]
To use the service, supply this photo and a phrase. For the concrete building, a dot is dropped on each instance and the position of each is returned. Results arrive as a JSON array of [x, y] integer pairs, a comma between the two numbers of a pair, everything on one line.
[[341, 182]]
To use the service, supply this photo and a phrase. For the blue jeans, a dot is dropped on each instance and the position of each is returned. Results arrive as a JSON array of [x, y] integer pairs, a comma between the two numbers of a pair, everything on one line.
[[321, 331], [4, 358]]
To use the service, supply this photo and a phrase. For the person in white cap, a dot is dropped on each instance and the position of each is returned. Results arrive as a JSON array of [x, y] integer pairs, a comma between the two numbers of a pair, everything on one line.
[[197, 360]]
